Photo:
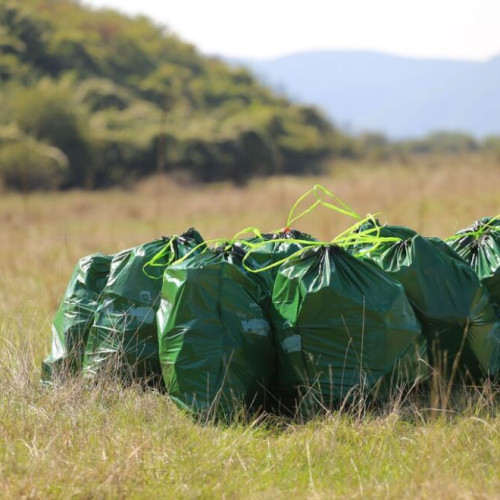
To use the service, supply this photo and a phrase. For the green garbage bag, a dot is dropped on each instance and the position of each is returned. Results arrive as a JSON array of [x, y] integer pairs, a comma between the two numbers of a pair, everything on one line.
[[479, 246], [271, 248], [123, 339], [454, 309], [216, 346], [342, 326], [72, 322]]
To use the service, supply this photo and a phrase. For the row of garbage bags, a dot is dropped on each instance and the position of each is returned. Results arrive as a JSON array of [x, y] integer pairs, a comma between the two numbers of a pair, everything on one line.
[[281, 320]]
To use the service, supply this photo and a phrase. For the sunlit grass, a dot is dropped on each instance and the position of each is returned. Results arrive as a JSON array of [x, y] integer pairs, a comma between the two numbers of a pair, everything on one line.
[[109, 441]]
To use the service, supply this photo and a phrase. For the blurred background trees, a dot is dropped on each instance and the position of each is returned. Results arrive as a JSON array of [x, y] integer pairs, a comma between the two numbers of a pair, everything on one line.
[[93, 98], [104, 93]]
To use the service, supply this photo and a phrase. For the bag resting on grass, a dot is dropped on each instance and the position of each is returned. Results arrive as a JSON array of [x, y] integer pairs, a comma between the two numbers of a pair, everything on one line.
[[342, 325], [72, 322], [216, 347], [123, 338], [479, 246], [454, 309]]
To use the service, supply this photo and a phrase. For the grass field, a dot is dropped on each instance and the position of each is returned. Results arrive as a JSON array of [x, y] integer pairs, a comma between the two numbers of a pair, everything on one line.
[[112, 442]]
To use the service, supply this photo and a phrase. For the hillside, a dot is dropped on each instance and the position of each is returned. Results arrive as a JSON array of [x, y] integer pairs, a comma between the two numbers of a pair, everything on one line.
[[401, 97], [93, 98]]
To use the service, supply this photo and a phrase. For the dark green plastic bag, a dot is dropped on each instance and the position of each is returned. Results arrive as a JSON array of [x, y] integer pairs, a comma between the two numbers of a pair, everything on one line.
[[123, 339], [454, 309], [479, 246], [272, 247], [72, 322], [342, 325], [216, 346]]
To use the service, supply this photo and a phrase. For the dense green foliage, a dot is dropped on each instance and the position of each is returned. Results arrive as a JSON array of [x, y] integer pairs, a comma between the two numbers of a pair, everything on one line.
[[379, 147], [91, 98]]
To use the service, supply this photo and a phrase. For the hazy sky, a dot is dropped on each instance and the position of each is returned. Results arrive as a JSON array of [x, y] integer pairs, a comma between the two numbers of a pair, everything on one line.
[[460, 29]]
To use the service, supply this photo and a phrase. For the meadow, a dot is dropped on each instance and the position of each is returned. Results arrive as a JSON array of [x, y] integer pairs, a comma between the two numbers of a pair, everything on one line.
[[115, 442]]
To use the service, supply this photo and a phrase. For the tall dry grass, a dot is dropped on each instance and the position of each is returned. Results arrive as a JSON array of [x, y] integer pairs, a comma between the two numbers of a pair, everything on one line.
[[116, 442]]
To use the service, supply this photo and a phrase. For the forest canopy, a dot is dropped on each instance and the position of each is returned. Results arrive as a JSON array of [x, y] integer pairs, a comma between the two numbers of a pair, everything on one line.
[[92, 98]]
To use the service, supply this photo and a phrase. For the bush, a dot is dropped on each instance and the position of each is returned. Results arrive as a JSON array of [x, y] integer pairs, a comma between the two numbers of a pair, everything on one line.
[[30, 165], [99, 94], [50, 113]]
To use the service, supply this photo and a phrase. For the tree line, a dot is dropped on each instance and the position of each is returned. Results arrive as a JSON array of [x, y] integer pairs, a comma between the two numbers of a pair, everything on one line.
[[92, 98]]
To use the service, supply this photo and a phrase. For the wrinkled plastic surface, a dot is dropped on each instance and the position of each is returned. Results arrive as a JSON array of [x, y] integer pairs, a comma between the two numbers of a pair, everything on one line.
[[482, 254], [342, 325], [72, 322], [123, 338], [454, 309], [216, 346], [274, 249]]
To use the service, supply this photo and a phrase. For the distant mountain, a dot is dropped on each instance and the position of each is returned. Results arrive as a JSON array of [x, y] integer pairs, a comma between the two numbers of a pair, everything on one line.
[[402, 97]]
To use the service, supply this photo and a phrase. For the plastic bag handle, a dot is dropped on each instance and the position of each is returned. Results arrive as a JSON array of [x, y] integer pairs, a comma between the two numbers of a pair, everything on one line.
[[153, 262], [343, 241], [477, 234], [319, 191]]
